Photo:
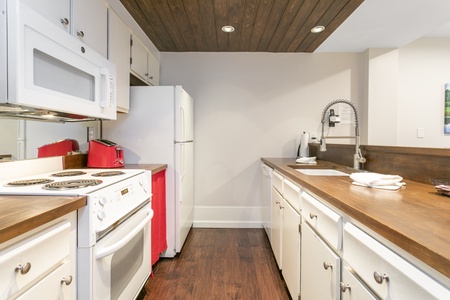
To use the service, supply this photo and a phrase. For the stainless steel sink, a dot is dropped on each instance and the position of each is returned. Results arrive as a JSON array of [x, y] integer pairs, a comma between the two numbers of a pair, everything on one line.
[[322, 172]]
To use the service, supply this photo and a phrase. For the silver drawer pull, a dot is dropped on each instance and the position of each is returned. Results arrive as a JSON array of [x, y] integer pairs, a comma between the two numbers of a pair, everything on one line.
[[379, 278], [80, 33], [64, 21], [312, 216], [327, 265], [344, 287], [23, 269], [67, 281]]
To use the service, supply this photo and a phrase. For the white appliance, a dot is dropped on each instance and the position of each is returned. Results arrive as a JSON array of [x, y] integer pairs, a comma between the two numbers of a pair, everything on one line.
[[113, 248], [266, 195], [159, 128], [46, 73]]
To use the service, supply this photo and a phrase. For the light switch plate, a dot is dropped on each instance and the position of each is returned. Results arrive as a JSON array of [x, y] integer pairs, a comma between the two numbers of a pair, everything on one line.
[[420, 133]]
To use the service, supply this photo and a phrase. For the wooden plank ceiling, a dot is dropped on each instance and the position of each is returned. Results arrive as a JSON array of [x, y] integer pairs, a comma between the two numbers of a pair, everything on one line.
[[260, 25]]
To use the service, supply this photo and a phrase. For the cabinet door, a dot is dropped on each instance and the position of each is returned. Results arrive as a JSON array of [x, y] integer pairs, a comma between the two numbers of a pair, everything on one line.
[[138, 59], [320, 268], [291, 249], [353, 289], [54, 286], [119, 53], [152, 69], [276, 226], [90, 22], [56, 11], [385, 272]]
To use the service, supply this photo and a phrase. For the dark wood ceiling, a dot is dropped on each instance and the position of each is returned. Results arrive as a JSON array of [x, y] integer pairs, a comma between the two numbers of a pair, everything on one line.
[[260, 25]]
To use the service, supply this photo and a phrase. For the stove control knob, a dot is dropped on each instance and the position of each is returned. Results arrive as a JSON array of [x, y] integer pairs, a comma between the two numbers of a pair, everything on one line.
[[102, 201], [101, 215]]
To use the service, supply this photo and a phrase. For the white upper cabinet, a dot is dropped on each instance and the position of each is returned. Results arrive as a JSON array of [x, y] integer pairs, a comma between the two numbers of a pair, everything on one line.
[[56, 11], [90, 22], [143, 64], [84, 19], [138, 60], [119, 53]]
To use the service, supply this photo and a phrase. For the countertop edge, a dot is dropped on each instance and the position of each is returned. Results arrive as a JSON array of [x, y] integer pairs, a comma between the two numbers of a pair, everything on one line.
[[424, 253], [23, 222]]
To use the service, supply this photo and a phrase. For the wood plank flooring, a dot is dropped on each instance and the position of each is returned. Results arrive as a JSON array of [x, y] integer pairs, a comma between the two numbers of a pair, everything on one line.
[[219, 264]]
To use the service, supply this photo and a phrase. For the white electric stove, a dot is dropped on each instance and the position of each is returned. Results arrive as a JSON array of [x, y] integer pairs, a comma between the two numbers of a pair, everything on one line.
[[113, 229]]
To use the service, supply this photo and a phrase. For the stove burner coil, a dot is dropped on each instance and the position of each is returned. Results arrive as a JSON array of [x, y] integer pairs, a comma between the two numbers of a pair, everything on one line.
[[68, 173], [71, 184], [108, 173], [29, 182]]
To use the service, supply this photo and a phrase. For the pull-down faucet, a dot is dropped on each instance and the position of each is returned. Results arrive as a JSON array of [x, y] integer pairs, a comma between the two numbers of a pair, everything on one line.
[[357, 157]]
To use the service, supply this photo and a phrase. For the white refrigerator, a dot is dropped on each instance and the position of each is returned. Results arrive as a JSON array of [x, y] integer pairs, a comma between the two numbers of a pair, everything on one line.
[[159, 128]]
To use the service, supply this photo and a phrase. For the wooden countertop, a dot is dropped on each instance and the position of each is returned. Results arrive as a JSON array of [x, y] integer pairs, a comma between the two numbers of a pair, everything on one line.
[[154, 168], [414, 218], [20, 214]]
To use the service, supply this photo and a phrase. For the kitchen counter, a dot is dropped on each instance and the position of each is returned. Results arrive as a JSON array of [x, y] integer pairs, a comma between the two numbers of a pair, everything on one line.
[[414, 218], [20, 214], [154, 168]]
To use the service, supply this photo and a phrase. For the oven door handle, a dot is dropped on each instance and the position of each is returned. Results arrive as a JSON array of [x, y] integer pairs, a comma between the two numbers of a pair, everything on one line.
[[116, 246]]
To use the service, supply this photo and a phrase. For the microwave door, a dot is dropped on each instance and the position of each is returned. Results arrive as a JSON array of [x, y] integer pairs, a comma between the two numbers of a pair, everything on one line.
[[50, 69]]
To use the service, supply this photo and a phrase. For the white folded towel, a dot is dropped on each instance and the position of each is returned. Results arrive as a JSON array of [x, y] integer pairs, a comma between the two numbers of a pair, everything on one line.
[[375, 180], [306, 160]]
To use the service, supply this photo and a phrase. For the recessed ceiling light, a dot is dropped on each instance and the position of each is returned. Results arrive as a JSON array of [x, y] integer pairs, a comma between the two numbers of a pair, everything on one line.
[[228, 28], [317, 29]]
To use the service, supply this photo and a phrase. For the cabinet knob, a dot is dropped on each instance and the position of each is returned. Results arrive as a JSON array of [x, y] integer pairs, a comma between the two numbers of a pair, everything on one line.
[[64, 21], [327, 265], [312, 216], [344, 287], [146, 74], [23, 269], [66, 280], [151, 78], [80, 33], [379, 278]]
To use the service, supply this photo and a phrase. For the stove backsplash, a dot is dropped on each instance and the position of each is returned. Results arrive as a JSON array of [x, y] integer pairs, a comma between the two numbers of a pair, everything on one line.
[[21, 138]]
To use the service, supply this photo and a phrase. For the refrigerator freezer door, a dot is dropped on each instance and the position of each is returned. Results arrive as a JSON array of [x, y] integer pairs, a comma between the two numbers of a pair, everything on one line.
[[184, 116], [184, 190]]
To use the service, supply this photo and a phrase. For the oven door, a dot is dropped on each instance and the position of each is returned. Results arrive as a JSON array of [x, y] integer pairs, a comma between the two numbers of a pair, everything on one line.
[[120, 261]]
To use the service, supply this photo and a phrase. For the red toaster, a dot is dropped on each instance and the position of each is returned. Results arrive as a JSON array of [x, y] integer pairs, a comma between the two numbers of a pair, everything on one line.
[[58, 148], [105, 154]]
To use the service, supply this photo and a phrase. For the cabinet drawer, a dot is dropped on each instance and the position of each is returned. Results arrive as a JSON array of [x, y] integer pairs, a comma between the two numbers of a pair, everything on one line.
[[52, 286], [369, 259], [325, 221], [42, 252], [277, 182], [292, 194]]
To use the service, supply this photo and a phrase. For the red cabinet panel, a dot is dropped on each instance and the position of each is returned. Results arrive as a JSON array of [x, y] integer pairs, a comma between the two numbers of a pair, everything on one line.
[[159, 240]]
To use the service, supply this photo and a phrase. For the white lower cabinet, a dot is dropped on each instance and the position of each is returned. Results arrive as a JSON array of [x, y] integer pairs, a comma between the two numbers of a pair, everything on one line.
[[352, 288], [290, 249], [54, 286], [276, 226], [40, 264], [386, 273], [320, 268]]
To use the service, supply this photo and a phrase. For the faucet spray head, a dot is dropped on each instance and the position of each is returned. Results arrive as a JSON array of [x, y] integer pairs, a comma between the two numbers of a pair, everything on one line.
[[323, 145]]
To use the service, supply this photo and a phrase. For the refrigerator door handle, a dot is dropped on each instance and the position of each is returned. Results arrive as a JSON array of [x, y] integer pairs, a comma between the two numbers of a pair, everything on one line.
[[182, 124], [183, 161]]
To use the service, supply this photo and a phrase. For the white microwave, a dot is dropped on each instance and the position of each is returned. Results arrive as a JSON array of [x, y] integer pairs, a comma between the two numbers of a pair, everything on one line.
[[46, 72]]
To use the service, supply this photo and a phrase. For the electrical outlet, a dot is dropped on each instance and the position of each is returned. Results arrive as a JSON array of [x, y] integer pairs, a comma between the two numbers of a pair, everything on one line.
[[90, 133]]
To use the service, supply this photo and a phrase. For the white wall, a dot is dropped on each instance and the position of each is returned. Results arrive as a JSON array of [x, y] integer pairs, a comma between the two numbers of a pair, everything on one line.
[[424, 70], [248, 106]]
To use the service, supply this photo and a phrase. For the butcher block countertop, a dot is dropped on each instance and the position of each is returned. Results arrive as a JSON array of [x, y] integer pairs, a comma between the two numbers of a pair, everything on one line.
[[414, 218], [20, 214], [154, 168]]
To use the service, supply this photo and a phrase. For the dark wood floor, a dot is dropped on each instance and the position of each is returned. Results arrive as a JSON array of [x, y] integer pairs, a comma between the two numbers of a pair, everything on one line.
[[219, 264]]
